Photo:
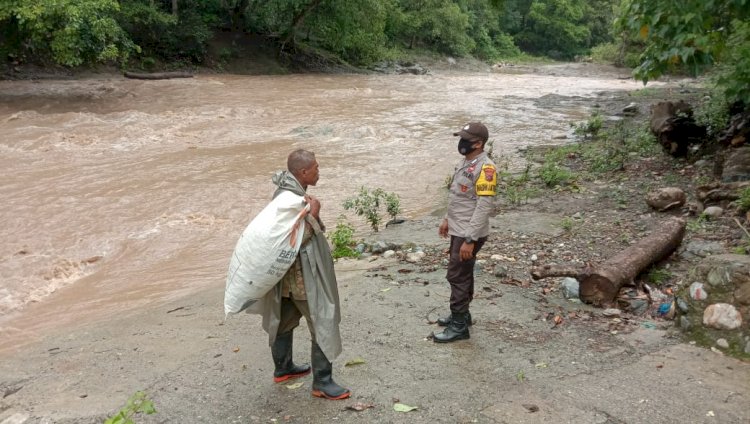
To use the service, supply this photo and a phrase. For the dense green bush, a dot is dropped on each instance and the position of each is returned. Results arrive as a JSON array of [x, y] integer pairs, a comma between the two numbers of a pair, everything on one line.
[[713, 113], [70, 32], [342, 239], [606, 53]]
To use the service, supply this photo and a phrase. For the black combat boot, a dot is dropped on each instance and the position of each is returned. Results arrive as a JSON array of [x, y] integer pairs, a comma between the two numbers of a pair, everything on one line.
[[323, 384], [444, 322], [458, 329], [281, 350]]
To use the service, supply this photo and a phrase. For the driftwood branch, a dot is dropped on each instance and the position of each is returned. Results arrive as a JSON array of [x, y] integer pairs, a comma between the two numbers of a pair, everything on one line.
[[743, 228], [157, 75], [716, 192], [601, 284]]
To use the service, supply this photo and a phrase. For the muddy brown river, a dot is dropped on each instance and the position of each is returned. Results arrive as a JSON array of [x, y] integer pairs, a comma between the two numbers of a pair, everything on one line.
[[119, 194]]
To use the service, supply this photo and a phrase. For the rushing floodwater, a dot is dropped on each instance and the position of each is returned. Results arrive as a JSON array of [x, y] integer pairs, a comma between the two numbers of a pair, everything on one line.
[[121, 193]]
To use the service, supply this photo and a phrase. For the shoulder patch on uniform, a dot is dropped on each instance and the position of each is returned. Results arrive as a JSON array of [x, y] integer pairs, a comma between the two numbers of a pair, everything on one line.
[[487, 182]]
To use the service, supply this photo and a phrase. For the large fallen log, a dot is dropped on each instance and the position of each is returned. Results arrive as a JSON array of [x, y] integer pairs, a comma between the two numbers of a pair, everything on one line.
[[157, 75], [600, 285]]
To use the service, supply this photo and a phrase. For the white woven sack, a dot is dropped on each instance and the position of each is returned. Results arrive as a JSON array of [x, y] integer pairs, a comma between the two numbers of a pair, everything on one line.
[[265, 251]]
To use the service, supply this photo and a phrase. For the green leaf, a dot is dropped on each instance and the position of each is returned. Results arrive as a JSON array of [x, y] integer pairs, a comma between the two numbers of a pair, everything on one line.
[[147, 407], [400, 407], [355, 361]]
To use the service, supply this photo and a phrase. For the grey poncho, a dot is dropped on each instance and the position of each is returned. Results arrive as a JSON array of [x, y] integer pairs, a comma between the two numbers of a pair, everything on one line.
[[321, 287]]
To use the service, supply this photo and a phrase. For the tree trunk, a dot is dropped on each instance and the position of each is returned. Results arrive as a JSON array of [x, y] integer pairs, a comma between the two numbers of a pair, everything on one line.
[[174, 7], [604, 283], [238, 15], [600, 285], [545, 271], [297, 21], [157, 75]]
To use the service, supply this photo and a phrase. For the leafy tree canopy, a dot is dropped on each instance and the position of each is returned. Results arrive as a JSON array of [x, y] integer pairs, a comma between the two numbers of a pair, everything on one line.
[[73, 32], [82, 32], [695, 34]]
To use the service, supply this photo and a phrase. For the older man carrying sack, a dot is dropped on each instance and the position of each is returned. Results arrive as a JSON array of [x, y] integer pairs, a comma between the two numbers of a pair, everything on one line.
[[308, 289]]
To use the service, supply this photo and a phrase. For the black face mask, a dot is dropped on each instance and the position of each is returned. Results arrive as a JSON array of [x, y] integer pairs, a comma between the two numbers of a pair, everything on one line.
[[466, 146]]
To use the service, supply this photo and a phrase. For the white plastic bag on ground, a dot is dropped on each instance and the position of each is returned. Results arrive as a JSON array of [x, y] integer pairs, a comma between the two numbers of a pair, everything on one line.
[[265, 251]]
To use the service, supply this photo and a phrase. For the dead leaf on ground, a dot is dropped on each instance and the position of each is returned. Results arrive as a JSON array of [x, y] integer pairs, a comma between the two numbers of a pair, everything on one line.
[[294, 386], [515, 282], [360, 406], [377, 268], [558, 320], [530, 407], [236, 349]]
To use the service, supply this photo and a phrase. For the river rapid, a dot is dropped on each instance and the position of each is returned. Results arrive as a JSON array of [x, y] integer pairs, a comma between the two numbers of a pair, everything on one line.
[[120, 194]]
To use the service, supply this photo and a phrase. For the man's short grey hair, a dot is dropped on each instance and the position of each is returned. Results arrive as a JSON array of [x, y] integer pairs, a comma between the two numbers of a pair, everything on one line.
[[298, 160]]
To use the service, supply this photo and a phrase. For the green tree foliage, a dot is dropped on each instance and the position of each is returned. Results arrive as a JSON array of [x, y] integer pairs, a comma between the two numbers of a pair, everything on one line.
[[693, 35], [556, 28], [491, 41], [71, 32], [600, 18], [436, 24], [352, 29], [80, 32], [154, 27], [282, 19]]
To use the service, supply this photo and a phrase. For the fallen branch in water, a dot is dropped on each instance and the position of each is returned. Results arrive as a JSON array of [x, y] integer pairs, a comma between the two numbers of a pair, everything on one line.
[[157, 75]]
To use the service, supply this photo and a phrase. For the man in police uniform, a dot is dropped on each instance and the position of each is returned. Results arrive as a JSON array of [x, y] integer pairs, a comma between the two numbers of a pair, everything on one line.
[[472, 195]]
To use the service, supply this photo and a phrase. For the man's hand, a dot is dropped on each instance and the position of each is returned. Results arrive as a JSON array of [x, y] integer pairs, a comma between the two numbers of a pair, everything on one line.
[[443, 230], [467, 251], [314, 206]]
